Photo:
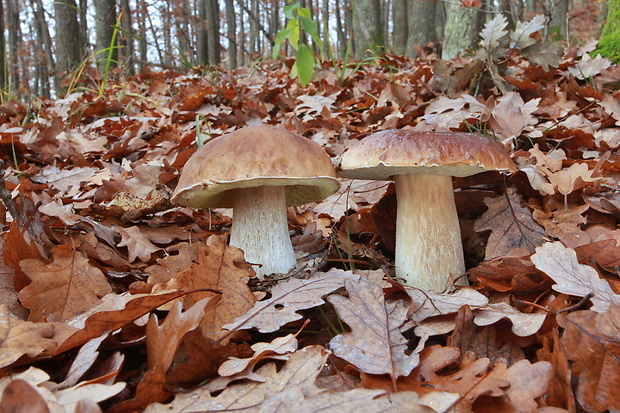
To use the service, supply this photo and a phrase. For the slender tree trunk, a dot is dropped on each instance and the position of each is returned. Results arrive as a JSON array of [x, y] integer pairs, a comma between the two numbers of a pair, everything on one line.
[[15, 45], [231, 32], [367, 28], [401, 32], [126, 39], [2, 50], [558, 26], [340, 32], [83, 23], [106, 21], [213, 32], [143, 12], [69, 51], [46, 64], [463, 26], [421, 25], [182, 15]]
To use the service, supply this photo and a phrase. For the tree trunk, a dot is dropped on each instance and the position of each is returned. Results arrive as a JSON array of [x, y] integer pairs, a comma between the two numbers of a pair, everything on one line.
[[69, 51], [367, 28], [3, 79], [558, 25], [15, 44], [609, 43], [213, 32], [183, 36], [340, 32], [462, 31], [46, 63], [231, 32], [106, 52], [126, 41], [142, 12], [399, 13], [421, 25]]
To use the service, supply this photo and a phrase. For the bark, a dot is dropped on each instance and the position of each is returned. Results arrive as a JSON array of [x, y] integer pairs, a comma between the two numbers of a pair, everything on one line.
[[400, 13], [231, 32], [462, 31], [558, 26], [69, 51], [367, 28], [142, 33], [106, 21], [46, 64], [14, 44], [213, 32], [421, 25], [340, 32], [3, 85], [183, 33], [126, 41]]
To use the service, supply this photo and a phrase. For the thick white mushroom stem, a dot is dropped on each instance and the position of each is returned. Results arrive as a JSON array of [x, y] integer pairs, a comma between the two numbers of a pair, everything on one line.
[[260, 229], [429, 252]]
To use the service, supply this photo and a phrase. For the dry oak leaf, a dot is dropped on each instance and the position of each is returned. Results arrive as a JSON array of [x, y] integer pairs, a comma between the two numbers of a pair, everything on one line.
[[114, 312], [564, 224], [511, 225], [64, 288], [523, 324], [243, 368], [471, 381], [425, 304], [162, 342], [375, 344], [567, 180], [288, 298], [292, 389], [23, 338], [591, 341], [560, 263], [511, 116], [528, 382], [20, 396], [138, 245], [218, 267]]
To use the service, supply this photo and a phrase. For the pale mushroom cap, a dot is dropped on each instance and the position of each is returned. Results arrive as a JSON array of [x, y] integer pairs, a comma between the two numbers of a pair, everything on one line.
[[399, 151], [253, 157]]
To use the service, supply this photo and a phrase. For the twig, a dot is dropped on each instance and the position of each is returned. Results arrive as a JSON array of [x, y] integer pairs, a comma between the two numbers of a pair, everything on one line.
[[6, 197]]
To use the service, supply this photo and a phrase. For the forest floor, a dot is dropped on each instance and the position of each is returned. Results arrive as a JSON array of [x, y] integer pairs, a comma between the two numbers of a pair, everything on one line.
[[115, 299]]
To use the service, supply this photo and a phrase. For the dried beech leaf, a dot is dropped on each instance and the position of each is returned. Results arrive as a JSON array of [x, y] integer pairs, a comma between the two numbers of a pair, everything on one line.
[[64, 288], [288, 298], [560, 263], [511, 225]]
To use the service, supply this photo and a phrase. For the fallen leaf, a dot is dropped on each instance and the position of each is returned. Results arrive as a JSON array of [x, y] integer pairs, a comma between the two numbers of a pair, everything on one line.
[[591, 343], [64, 288], [221, 268], [138, 245], [523, 324], [288, 298], [20, 396], [375, 344], [511, 225], [560, 263], [425, 304]]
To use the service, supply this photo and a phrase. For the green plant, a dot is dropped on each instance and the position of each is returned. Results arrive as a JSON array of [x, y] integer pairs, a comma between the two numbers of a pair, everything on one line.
[[299, 23]]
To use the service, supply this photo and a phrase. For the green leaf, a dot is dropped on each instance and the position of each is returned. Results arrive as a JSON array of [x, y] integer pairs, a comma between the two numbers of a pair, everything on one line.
[[289, 10], [312, 29], [305, 64], [303, 12], [281, 36]]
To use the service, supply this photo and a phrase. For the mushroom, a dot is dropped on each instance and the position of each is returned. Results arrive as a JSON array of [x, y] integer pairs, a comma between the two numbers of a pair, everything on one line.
[[258, 171], [429, 251]]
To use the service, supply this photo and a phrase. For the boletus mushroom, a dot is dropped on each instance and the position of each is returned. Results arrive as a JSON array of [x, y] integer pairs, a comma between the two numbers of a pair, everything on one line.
[[258, 171], [429, 251]]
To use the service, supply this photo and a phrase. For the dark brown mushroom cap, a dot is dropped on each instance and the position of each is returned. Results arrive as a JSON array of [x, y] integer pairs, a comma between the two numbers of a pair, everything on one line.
[[252, 157], [399, 151]]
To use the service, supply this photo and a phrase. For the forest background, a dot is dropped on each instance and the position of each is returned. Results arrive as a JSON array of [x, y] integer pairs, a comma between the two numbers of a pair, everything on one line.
[[45, 43]]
